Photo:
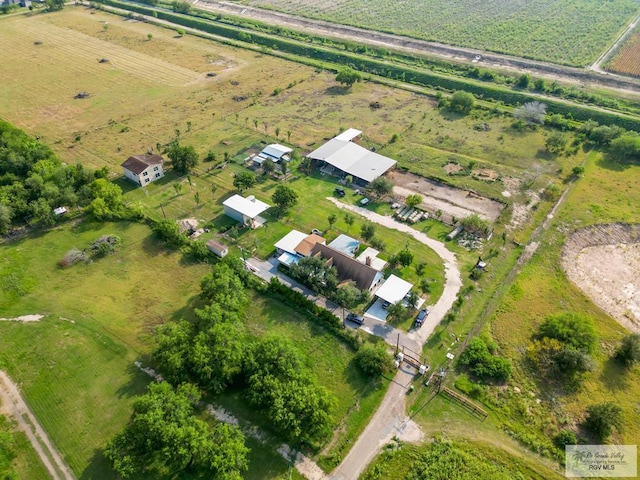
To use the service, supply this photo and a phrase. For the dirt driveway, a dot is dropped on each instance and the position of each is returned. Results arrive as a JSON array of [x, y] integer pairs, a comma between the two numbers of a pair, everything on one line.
[[14, 405], [453, 202]]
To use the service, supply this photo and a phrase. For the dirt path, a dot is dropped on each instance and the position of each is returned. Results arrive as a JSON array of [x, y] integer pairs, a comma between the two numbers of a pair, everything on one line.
[[575, 76], [14, 405]]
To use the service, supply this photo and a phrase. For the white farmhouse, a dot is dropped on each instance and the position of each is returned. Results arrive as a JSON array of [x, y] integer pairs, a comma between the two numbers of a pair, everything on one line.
[[143, 169]]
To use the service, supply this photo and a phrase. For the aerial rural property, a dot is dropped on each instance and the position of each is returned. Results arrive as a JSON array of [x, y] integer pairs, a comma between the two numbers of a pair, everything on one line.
[[319, 240]]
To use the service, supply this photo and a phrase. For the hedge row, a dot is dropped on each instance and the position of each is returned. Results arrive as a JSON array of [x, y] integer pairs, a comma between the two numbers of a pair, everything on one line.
[[315, 313], [380, 67]]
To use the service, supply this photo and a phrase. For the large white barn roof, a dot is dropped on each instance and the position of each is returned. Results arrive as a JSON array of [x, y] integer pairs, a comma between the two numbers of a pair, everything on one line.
[[353, 159]]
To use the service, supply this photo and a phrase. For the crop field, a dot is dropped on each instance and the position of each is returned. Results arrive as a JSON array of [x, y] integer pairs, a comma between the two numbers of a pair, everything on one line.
[[571, 32], [627, 60]]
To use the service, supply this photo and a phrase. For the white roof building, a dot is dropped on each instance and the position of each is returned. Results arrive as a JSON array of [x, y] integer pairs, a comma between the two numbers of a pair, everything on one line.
[[290, 241], [393, 289], [370, 257], [274, 152], [348, 135], [352, 159], [245, 210]]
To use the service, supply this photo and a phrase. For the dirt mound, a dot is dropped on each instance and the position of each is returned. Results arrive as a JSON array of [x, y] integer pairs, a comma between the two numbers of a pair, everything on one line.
[[604, 261]]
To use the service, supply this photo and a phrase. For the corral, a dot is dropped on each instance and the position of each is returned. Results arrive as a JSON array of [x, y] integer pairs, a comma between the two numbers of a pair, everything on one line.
[[553, 31]]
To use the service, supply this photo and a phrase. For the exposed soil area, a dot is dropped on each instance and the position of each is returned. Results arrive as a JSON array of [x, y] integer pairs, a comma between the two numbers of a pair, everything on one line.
[[453, 202], [604, 261]]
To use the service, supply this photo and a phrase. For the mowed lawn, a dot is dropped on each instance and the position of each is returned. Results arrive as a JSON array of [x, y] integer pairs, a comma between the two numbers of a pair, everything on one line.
[[75, 366], [607, 193]]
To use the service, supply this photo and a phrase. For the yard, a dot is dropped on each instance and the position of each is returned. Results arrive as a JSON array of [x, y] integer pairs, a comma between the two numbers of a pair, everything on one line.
[[555, 32]]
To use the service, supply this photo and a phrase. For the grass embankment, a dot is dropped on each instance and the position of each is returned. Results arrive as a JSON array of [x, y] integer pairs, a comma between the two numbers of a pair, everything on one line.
[[450, 457]]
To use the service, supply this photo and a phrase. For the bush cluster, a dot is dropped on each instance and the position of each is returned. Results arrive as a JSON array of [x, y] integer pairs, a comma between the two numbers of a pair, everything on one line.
[[482, 362]]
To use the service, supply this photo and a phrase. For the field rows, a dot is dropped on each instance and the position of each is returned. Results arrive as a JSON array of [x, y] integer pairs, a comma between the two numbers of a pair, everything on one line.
[[572, 32], [627, 60], [67, 43]]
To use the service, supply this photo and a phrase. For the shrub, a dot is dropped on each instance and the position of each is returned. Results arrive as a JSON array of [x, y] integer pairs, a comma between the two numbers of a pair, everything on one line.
[[373, 360], [602, 418], [572, 329], [628, 352], [564, 438], [72, 257], [483, 364], [475, 224]]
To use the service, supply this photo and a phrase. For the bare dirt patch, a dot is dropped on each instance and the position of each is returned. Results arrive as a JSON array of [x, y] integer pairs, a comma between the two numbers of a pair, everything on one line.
[[453, 202], [604, 261], [23, 318], [485, 174], [452, 168]]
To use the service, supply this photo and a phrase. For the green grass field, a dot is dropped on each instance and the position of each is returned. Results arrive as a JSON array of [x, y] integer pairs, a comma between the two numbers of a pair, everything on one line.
[[26, 463], [83, 393], [605, 194], [571, 32]]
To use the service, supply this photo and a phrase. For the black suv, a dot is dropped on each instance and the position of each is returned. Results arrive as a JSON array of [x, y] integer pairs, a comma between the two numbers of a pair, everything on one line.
[[352, 317], [339, 191]]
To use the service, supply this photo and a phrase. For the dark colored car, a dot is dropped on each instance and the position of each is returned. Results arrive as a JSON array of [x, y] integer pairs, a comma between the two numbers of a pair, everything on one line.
[[352, 317], [339, 191], [386, 304], [421, 316]]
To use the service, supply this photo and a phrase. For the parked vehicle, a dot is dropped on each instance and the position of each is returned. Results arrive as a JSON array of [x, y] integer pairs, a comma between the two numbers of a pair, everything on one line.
[[385, 304], [422, 314], [352, 317], [339, 191]]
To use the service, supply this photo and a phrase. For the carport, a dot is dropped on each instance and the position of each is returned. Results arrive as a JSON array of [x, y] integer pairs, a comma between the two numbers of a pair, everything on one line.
[[393, 290]]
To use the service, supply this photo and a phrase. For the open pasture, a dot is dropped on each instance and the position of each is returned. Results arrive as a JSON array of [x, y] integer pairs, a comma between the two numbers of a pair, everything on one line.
[[627, 60], [253, 98], [606, 194], [571, 32]]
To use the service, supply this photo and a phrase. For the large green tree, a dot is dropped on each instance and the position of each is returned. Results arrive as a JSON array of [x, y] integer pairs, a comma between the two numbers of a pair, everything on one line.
[[348, 76], [165, 437], [381, 186], [284, 197], [280, 384], [244, 180], [183, 158]]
